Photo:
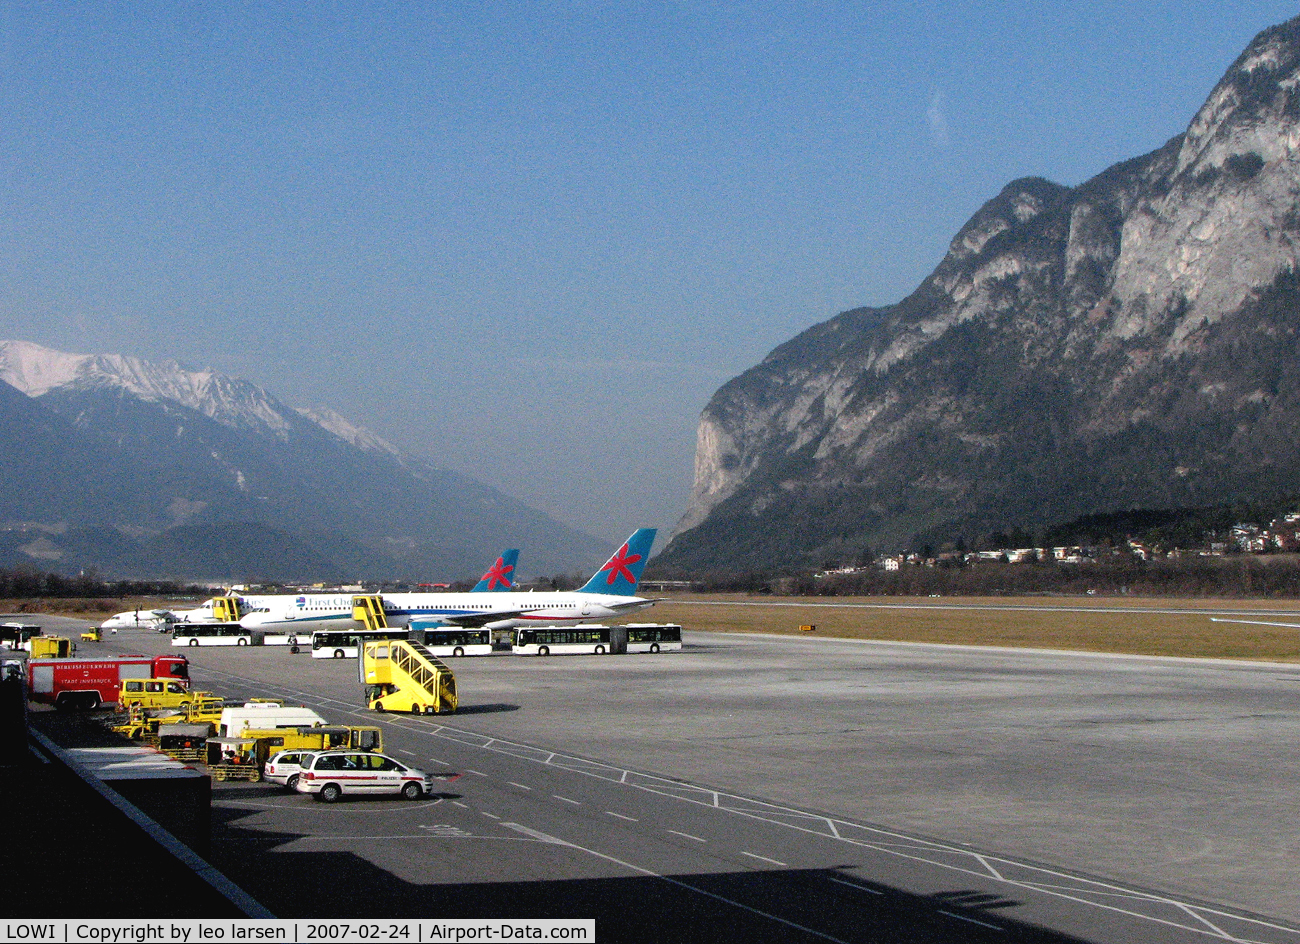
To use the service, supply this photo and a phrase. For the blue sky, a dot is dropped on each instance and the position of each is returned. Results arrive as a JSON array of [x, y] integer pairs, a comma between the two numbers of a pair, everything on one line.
[[530, 240]]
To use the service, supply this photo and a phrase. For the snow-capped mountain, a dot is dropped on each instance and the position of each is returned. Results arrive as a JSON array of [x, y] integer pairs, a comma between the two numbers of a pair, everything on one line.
[[140, 468], [359, 436], [37, 370]]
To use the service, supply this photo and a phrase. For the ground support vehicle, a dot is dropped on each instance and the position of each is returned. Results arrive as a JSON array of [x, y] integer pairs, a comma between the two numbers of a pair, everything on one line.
[[265, 716], [93, 635], [204, 709], [323, 737], [331, 775], [136, 726], [185, 742], [50, 647], [405, 676], [235, 758], [89, 683], [157, 693]]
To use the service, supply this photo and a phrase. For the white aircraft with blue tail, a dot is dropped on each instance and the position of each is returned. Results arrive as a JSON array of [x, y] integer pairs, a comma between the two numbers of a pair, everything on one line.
[[609, 593]]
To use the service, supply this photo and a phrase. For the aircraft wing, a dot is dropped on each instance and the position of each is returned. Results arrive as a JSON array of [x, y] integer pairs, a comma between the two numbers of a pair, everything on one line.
[[479, 620], [633, 603]]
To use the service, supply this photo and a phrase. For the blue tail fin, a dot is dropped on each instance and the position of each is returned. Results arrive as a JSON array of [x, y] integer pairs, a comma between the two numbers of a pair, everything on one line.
[[501, 575], [622, 572]]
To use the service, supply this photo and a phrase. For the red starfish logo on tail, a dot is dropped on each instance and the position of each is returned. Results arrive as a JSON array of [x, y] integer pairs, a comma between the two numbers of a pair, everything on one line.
[[498, 573], [618, 566]]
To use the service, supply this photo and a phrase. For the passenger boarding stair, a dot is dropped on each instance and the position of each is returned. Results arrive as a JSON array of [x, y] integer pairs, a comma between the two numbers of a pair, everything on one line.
[[226, 609], [369, 612], [405, 676]]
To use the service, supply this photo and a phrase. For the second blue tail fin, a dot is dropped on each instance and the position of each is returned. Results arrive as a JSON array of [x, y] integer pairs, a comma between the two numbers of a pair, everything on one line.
[[501, 575], [622, 572]]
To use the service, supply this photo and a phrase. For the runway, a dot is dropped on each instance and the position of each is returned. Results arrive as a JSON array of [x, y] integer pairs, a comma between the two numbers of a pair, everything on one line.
[[769, 787]]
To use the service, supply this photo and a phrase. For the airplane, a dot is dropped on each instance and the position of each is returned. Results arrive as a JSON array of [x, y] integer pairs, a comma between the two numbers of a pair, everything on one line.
[[161, 620], [306, 613], [610, 592]]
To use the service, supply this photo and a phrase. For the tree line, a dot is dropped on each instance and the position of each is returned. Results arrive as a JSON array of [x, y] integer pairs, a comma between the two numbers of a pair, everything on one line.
[[1238, 576]]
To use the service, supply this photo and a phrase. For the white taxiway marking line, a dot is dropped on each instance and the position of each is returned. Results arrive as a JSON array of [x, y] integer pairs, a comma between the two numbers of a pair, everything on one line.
[[475, 772], [519, 785], [686, 835], [854, 885], [566, 799], [405, 751], [460, 804], [543, 837], [983, 924], [621, 816], [490, 815], [765, 859]]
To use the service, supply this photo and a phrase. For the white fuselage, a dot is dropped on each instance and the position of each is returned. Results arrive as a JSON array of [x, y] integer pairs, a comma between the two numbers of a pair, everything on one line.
[[502, 610]]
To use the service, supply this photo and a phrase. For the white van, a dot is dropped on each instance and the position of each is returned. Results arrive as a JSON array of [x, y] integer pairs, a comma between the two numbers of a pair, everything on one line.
[[265, 716], [329, 775]]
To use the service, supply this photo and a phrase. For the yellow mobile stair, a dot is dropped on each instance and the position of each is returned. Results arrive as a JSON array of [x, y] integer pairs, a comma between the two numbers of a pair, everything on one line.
[[405, 676], [369, 611], [226, 609]]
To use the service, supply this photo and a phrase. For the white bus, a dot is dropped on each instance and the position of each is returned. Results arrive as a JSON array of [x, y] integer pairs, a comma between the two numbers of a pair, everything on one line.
[[213, 634], [331, 644], [455, 641], [653, 637], [561, 640]]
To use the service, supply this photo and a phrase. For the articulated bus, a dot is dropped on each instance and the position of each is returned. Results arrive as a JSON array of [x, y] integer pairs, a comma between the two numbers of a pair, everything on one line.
[[653, 637], [329, 644], [561, 640], [212, 634], [458, 642]]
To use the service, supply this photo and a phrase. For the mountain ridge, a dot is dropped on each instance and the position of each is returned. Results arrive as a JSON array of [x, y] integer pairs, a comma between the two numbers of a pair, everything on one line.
[[154, 453], [1121, 342]]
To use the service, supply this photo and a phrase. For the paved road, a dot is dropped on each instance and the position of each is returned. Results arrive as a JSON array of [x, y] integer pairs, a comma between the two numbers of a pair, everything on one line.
[[773, 788]]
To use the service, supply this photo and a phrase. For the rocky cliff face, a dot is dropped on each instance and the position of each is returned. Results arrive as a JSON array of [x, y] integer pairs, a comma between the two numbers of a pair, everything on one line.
[[1132, 340]]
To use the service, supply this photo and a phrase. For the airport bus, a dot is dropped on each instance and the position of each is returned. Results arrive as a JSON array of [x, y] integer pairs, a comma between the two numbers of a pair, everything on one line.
[[456, 641], [212, 634], [332, 644], [561, 640], [653, 637]]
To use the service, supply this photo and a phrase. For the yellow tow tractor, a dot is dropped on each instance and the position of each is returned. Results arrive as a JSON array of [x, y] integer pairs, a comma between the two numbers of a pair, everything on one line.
[[137, 724], [203, 708], [93, 635], [405, 676]]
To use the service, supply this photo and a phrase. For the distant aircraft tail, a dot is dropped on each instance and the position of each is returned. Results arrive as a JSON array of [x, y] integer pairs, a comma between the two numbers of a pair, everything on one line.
[[622, 572], [501, 575]]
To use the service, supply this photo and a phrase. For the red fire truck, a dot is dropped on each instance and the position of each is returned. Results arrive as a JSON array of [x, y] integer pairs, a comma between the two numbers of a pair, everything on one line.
[[89, 683]]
